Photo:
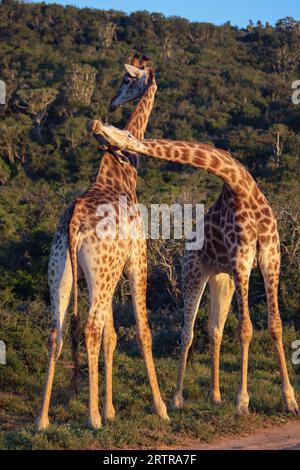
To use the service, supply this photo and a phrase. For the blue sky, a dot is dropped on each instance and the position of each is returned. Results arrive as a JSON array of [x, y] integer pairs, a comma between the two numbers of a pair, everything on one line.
[[215, 11]]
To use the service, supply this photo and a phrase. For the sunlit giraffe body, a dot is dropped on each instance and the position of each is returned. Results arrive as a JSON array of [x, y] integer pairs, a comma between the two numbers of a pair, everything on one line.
[[102, 261], [240, 230]]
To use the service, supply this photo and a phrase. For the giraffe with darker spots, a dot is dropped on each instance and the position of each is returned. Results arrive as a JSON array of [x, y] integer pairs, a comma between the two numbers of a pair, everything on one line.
[[240, 230], [77, 247]]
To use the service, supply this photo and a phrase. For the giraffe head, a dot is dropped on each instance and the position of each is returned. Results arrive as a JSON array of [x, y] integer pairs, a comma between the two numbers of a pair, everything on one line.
[[134, 83], [116, 138]]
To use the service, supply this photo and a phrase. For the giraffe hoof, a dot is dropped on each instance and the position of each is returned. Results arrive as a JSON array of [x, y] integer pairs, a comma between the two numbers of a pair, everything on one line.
[[161, 411], [41, 424], [243, 409], [164, 416], [95, 422], [243, 404], [177, 401], [292, 406], [290, 401], [215, 399], [109, 414]]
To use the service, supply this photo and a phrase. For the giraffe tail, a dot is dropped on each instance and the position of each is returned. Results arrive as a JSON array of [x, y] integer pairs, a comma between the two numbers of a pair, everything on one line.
[[75, 322]]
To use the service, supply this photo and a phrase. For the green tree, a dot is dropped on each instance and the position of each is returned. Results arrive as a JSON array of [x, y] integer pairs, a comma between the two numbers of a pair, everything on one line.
[[80, 83], [36, 102]]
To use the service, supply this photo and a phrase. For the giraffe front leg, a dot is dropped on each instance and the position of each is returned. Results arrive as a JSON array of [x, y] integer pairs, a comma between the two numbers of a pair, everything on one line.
[[136, 270], [145, 345], [245, 332], [245, 335], [221, 292], [242, 261], [109, 346]]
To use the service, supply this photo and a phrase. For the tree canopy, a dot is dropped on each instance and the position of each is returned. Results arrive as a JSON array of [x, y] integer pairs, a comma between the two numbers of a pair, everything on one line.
[[222, 85]]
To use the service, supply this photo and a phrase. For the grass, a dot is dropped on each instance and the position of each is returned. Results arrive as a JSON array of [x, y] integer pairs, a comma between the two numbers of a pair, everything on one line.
[[21, 382]]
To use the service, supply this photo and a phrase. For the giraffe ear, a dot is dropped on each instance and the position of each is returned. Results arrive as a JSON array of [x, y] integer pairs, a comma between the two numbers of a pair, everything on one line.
[[134, 72]]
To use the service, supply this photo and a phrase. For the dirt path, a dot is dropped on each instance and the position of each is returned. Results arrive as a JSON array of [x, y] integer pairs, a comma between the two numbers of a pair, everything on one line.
[[283, 437]]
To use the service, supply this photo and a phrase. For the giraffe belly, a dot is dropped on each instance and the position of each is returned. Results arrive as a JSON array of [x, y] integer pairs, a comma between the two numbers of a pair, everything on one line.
[[198, 263]]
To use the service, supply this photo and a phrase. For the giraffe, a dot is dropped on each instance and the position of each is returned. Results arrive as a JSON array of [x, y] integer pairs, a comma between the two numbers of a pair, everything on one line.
[[240, 231], [102, 261]]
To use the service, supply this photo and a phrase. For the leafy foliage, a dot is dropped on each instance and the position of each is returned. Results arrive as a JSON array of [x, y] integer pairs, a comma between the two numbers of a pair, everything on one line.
[[218, 84]]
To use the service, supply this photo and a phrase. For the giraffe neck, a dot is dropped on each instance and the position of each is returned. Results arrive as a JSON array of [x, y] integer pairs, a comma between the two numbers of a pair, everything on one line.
[[138, 120], [136, 125], [213, 160]]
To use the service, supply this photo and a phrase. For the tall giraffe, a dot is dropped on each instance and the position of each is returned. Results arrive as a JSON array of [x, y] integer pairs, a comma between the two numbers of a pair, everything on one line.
[[239, 230], [102, 261]]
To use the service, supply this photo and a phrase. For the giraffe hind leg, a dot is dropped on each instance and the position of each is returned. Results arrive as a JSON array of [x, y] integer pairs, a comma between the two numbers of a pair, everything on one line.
[[60, 284], [270, 272], [109, 346], [93, 334], [193, 292]]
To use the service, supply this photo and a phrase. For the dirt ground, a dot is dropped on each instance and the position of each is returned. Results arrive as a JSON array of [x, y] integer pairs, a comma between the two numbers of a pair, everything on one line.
[[283, 437]]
